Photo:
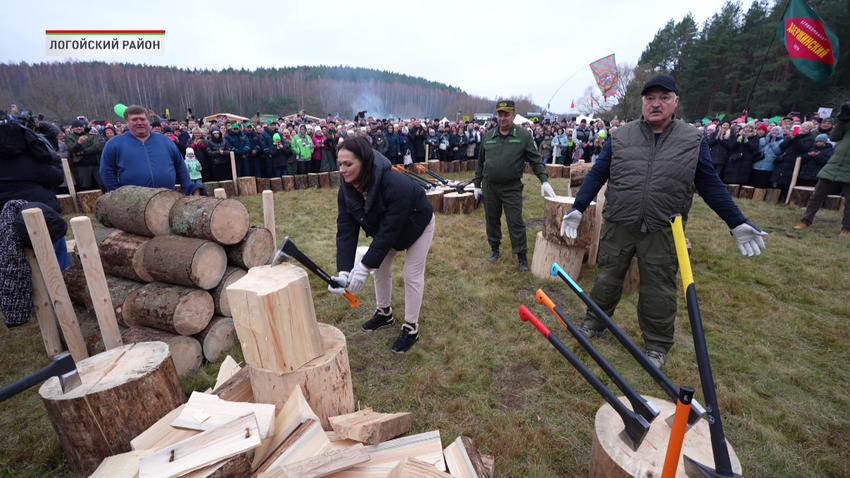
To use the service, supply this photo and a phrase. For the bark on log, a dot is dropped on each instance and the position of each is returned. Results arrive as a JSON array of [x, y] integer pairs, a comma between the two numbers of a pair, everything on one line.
[[217, 337], [119, 290], [758, 194], [88, 200], [800, 195], [237, 467], [553, 212], [324, 180], [746, 192], [122, 255], [124, 391], [454, 203], [228, 187], [832, 202], [75, 282], [734, 189], [772, 196], [185, 261], [211, 186], [547, 252], [255, 250], [276, 185], [435, 196], [101, 233], [185, 351], [263, 184], [224, 221], [288, 183], [247, 186], [301, 181], [456, 166], [139, 210], [577, 173], [173, 308], [312, 180], [66, 202], [555, 170], [219, 292], [100, 209], [325, 380], [335, 179]]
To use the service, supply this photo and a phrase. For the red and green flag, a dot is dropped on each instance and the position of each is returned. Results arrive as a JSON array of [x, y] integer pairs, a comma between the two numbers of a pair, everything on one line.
[[605, 73], [812, 45]]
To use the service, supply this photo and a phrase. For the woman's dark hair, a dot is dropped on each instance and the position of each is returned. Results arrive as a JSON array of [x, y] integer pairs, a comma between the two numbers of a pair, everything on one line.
[[390, 126], [361, 149]]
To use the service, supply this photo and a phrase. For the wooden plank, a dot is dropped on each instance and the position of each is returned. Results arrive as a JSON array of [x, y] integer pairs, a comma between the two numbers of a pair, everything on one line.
[[268, 214], [161, 434], [228, 369], [412, 468], [323, 465], [306, 441], [69, 181], [46, 256], [368, 426], [463, 459], [794, 176], [294, 412], [96, 281], [124, 465], [205, 412], [44, 313], [385, 456], [204, 449], [233, 172], [220, 193], [237, 388]]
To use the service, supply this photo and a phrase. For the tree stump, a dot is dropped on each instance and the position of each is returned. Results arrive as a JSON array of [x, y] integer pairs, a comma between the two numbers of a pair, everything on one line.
[[256, 249], [229, 187], [276, 184], [123, 254], [578, 171], [800, 195], [555, 170], [124, 391], [288, 183], [88, 199], [456, 167], [610, 457], [553, 212], [218, 337], [211, 186], [185, 351], [832, 202], [263, 184], [772, 196], [219, 292], [433, 165], [454, 203], [547, 252], [66, 202], [274, 318], [473, 164], [325, 180], [312, 180], [224, 221], [632, 281], [435, 196], [746, 192], [301, 181], [246, 185], [138, 210], [734, 189], [758, 194], [335, 178], [325, 380], [173, 308], [185, 261]]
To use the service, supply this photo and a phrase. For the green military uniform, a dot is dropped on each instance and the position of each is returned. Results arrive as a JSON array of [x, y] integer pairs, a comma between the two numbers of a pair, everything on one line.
[[501, 162]]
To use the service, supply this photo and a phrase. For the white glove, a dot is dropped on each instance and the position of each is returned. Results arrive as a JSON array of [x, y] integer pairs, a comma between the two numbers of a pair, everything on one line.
[[570, 223], [545, 189], [477, 193], [342, 280], [749, 238], [357, 277]]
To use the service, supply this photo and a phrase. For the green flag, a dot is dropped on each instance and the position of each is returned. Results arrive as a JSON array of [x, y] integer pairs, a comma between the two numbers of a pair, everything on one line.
[[811, 43]]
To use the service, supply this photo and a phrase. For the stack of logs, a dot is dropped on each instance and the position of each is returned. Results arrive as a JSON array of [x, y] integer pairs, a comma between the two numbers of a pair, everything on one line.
[[251, 185], [168, 259]]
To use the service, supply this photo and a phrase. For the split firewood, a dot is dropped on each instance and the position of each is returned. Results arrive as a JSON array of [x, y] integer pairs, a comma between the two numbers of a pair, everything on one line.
[[205, 412], [412, 468], [306, 441], [463, 459], [370, 427], [323, 465], [294, 412], [161, 434], [237, 388], [123, 465]]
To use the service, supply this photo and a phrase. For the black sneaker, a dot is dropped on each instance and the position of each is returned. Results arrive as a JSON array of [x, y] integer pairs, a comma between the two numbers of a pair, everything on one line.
[[409, 336], [523, 263], [379, 320], [494, 256], [659, 359], [590, 333]]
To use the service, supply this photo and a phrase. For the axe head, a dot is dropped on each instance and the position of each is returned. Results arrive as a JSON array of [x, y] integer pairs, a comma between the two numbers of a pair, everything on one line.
[[695, 469], [282, 253], [66, 370]]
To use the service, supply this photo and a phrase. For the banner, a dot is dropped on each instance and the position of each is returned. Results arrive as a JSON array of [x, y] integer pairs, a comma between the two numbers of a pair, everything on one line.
[[811, 43], [605, 73], [105, 42]]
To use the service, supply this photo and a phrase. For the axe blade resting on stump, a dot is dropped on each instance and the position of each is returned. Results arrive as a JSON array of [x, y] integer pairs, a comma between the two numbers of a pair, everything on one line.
[[288, 249], [62, 366]]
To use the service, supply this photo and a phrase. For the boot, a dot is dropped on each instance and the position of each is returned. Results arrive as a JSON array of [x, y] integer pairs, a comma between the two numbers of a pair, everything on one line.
[[494, 256], [523, 263]]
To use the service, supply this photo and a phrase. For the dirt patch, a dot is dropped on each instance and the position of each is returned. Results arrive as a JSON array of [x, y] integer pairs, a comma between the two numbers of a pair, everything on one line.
[[535, 223], [510, 385]]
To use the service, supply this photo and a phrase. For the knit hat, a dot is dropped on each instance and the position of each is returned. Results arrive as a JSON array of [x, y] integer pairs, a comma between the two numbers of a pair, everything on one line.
[[167, 129], [822, 137], [189, 151], [762, 127], [215, 129], [76, 123]]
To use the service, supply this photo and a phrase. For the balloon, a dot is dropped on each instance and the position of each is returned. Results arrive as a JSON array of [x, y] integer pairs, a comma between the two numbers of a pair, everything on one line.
[[119, 109]]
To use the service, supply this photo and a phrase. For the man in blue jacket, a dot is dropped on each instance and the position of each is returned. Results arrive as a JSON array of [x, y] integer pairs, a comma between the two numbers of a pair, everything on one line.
[[256, 162], [241, 148], [142, 158]]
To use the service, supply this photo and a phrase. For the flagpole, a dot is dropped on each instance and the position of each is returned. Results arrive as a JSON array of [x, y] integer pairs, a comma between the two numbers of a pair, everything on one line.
[[764, 60], [564, 83]]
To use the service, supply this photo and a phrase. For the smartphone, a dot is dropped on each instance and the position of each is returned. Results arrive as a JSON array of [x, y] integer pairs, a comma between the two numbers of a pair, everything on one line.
[[796, 130], [258, 114], [190, 110]]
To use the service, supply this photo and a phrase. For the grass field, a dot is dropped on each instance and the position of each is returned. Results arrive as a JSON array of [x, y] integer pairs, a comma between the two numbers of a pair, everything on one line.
[[777, 330]]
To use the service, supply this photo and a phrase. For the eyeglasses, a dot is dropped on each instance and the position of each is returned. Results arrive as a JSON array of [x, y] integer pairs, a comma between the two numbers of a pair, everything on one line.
[[663, 98]]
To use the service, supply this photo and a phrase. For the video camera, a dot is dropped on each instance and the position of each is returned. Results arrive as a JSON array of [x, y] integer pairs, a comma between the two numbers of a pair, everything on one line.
[[26, 118]]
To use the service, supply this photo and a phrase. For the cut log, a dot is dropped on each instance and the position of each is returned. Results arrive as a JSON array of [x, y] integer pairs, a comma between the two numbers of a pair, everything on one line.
[[101, 233], [185, 351], [294, 412], [263, 184], [88, 199], [229, 187], [205, 412], [185, 261], [202, 450], [734, 189], [123, 254], [301, 181], [386, 456], [219, 293], [257, 249], [75, 282], [161, 434], [275, 319], [746, 192], [832, 202], [463, 459], [334, 179], [577, 173], [91, 330], [173, 308], [435, 196], [555, 170], [324, 180], [326, 380], [246, 186], [218, 337], [800, 195], [454, 203], [66, 202], [123, 465], [370, 427], [412, 468], [547, 252], [772, 196], [758, 194], [224, 221], [455, 167], [139, 210], [433, 165], [276, 184], [288, 183], [121, 291], [322, 465], [312, 180], [554, 210], [237, 388], [306, 441], [124, 391], [610, 457], [211, 186]]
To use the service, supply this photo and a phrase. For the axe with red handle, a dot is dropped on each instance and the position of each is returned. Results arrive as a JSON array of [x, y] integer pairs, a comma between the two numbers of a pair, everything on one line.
[[287, 249], [432, 173], [419, 179]]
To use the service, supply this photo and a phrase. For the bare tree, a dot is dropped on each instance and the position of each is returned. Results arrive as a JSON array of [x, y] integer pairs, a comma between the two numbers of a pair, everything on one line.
[[54, 95]]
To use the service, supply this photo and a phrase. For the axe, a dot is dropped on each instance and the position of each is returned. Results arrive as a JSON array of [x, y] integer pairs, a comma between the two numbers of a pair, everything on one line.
[[417, 178], [287, 249], [433, 174], [62, 366]]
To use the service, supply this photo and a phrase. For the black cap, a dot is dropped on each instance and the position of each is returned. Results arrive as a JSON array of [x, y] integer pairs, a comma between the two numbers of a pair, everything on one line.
[[665, 81]]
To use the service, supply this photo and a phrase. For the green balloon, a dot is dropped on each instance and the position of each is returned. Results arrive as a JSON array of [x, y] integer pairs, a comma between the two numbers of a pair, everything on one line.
[[119, 109]]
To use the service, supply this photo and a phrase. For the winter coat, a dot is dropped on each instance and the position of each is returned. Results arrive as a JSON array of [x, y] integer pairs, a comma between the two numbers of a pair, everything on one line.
[[238, 144], [280, 156], [739, 168], [718, 146], [255, 148], [319, 145], [86, 154], [769, 147], [457, 146], [302, 147], [31, 178], [838, 167], [201, 153], [267, 140], [419, 135], [214, 147], [395, 212], [405, 145], [433, 143], [810, 166], [791, 147], [379, 142], [392, 146]]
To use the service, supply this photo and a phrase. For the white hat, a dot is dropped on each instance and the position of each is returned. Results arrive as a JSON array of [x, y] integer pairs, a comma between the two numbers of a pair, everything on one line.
[[189, 151]]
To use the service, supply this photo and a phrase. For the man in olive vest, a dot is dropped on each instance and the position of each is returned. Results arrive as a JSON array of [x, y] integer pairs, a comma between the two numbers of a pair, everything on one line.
[[651, 166]]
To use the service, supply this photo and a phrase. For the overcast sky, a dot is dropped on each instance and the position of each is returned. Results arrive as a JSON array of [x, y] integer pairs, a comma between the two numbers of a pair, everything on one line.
[[487, 48]]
